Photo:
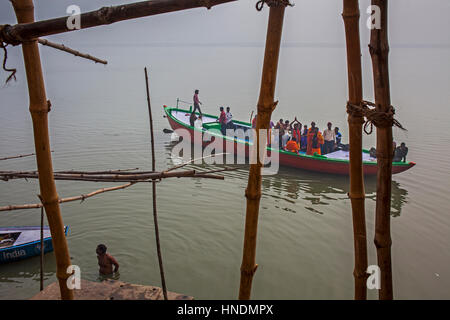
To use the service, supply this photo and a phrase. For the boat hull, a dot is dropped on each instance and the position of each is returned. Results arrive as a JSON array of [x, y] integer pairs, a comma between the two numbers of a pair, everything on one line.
[[305, 162], [25, 250]]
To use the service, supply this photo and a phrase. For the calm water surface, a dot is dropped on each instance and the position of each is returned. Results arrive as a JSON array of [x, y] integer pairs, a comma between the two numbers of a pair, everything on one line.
[[305, 244]]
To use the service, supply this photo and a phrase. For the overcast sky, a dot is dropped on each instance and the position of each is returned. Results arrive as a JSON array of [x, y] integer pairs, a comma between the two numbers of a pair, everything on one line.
[[412, 22]]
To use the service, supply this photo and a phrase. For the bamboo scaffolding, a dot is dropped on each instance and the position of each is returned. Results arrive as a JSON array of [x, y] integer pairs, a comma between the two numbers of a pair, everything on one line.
[[70, 199], [19, 156], [39, 109], [155, 213], [107, 15], [266, 106], [379, 51], [62, 47], [136, 177], [351, 18]]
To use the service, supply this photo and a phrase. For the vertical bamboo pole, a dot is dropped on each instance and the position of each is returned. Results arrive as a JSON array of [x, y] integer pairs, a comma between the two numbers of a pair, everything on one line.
[[265, 108], [155, 215], [41, 280], [39, 108], [355, 121], [379, 51]]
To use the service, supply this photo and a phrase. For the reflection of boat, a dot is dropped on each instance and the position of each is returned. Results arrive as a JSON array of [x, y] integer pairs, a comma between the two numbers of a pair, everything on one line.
[[317, 189], [336, 162], [17, 243]]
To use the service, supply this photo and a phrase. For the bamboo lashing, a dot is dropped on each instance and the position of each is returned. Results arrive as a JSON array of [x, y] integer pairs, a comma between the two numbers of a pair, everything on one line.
[[351, 17], [379, 51], [62, 47], [39, 109], [266, 106], [374, 117]]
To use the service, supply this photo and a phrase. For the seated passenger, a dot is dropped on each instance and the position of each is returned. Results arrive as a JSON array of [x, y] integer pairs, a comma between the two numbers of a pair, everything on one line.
[[400, 153], [292, 145], [198, 123], [192, 119]]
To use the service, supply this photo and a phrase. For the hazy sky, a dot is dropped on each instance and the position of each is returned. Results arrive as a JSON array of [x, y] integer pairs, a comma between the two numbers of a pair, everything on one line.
[[412, 22]]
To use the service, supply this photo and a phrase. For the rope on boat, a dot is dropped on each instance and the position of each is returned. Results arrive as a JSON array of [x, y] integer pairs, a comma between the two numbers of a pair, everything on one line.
[[373, 117]]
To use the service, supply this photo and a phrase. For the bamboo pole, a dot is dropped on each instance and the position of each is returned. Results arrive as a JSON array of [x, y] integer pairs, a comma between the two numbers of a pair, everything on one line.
[[351, 18], [379, 51], [18, 156], [39, 108], [137, 177], [106, 15], [62, 47], [266, 106], [155, 214], [41, 279], [64, 200]]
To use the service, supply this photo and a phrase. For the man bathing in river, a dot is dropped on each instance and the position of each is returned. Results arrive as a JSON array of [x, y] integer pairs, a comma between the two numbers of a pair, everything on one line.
[[106, 261]]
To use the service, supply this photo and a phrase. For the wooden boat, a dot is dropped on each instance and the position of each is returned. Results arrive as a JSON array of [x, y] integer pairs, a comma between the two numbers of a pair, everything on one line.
[[17, 243], [335, 163]]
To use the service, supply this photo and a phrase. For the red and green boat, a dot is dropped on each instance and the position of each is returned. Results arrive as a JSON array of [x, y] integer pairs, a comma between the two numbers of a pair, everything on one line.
[[335, 163]]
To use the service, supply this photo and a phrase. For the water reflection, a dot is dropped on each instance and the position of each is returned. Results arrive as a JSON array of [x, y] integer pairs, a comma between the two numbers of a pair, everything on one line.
[[291, 185], [18, 271]]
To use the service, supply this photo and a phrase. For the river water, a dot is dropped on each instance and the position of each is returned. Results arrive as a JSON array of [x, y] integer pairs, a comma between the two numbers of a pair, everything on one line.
[[99, 121]]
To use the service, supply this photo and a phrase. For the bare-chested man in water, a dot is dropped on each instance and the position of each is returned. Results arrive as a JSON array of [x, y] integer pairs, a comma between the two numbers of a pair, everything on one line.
[[106, 261]]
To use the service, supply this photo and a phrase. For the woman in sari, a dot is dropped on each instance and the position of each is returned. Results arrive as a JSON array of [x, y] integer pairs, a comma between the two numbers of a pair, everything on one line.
[[317, 142]]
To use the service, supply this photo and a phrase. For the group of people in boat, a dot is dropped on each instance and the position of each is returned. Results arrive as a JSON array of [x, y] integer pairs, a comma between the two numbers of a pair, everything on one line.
[[294, 137]]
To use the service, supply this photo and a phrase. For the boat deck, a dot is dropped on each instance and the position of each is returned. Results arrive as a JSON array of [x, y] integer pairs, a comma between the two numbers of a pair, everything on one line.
[[26, 235]]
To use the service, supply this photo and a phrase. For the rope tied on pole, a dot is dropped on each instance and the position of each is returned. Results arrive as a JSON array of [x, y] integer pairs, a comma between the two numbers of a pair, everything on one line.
[[5, 58], [273, 3], [374, 117]]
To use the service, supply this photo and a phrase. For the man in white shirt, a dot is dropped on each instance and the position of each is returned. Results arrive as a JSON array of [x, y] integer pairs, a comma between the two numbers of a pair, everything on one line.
[[229, 117], [198, 123], [329, 136]]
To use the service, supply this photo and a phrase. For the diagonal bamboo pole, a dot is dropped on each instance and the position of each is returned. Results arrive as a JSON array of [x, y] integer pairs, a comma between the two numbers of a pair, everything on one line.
[[266, 106], [39, 108], [379, 51], [62, 47], [355, 121]]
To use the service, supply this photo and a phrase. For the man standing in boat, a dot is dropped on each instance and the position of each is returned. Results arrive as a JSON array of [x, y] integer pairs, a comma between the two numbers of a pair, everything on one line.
[[223, 121], [197, 102], [329, 135]]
